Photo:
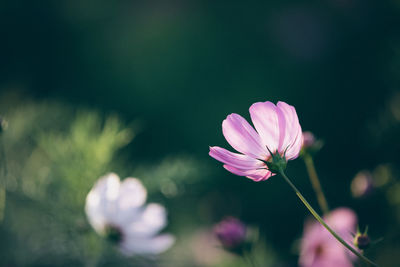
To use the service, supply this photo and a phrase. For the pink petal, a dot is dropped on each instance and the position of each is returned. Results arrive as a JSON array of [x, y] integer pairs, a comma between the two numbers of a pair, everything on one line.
[[242, 136], [294, 150], [256, 175], [343, 221], [291, 133], [234, 159], [265, 119]]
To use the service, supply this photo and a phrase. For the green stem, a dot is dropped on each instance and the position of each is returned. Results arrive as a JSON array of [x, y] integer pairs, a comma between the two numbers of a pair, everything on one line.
[[2, 203], [248, 258], [3, 159], [312, 173], [319, 219], [3, 180]]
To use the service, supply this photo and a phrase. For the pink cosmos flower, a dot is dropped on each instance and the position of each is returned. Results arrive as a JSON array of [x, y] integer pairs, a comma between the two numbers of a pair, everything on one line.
[[320, 249], [277, 129]]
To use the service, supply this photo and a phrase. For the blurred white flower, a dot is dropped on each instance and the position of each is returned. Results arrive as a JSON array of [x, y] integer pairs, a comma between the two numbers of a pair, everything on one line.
[[117, 211]]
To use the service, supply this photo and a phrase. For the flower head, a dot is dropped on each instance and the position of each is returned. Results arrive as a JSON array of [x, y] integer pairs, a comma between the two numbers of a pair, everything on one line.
[[277, 132], [230, 232], [117, 211], [320, 249]]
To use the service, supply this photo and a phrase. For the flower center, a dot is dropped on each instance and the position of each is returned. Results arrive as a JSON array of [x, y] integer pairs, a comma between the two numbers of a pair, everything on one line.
[[319, 250], [114, 234]]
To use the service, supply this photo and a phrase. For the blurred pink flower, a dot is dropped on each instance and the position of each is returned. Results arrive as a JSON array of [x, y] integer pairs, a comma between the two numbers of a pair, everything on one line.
[[278, 130], [205, 249], [308, 139], [230, 232], [320, 249], [362, 184]]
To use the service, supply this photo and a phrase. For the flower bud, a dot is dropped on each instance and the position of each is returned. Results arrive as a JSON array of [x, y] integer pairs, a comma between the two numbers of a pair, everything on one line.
[[362, 241], [231, 233], [310, 143], [308, 139]]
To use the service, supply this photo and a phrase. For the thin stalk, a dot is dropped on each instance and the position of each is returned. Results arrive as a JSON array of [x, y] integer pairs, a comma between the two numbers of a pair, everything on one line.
[[320, 220], [249, 259], [2, 203], [3, 158], [312, 173], [3, 180]]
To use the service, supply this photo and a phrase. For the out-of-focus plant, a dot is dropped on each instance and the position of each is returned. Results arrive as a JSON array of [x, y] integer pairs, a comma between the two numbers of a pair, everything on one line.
[[78, 155], [362, 184], [173, 176], [3, 167], [54, 154]]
